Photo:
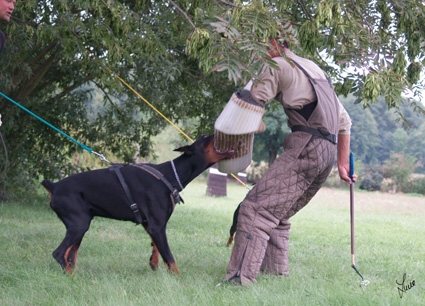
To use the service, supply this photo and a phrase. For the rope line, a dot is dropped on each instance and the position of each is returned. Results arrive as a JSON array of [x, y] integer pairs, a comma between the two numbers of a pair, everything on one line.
[[90, 150], [162, 115], [168, 120], [45, 122], [147, 102]]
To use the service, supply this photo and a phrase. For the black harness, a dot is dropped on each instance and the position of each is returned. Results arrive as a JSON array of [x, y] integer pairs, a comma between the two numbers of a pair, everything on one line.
[[140, 217]]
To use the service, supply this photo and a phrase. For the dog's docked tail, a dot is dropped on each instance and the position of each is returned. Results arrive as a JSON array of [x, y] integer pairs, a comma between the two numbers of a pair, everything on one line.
[[50, 186]]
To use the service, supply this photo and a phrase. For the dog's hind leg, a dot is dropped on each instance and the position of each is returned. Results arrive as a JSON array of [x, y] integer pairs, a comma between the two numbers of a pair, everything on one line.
[[66, 253], [72, 255]]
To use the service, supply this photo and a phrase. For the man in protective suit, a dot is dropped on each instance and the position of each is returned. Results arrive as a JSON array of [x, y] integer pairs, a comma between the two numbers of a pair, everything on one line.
[[320, 131]]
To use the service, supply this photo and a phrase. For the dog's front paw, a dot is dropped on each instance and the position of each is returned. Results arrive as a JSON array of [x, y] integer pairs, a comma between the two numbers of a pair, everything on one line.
[[154, 266]]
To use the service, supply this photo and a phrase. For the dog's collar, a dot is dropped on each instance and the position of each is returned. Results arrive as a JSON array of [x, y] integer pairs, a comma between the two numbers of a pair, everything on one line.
[[176, 175]]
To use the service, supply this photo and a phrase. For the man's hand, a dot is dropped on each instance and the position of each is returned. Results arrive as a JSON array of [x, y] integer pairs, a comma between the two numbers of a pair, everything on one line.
[[344, 173], [343, 158]]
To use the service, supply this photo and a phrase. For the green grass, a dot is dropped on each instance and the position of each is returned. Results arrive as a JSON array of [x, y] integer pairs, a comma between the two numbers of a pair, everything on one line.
[[113, 264]]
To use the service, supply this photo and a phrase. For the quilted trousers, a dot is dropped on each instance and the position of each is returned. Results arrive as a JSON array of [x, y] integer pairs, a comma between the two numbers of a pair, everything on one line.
[[276, 258], [262, 237]]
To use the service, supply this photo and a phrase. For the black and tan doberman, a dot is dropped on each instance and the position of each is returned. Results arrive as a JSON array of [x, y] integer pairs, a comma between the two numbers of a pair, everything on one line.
[[141, 193]]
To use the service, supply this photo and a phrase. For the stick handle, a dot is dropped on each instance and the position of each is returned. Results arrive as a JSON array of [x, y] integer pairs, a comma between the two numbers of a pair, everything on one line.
[[352, 207], [351, 166]]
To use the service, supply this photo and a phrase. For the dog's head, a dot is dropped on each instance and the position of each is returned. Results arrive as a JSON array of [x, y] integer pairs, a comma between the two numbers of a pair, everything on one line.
[[204, 146]]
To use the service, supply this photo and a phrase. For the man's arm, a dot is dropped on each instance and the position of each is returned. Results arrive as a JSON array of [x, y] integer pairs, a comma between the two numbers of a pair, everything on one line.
[[343, 157]]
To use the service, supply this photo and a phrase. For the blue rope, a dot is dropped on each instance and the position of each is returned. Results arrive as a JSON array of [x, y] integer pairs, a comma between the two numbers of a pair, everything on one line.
[[47, 123]]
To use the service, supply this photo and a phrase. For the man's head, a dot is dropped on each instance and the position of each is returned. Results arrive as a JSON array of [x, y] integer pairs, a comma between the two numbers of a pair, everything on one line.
[[6, 9], [276, 48]]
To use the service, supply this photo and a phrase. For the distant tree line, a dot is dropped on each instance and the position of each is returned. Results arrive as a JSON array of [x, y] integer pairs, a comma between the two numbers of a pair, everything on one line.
[[186, 57], [384, 146]]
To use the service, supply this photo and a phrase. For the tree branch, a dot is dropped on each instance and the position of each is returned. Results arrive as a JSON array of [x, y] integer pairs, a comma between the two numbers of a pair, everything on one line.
[[183, 13], [305, 10], [226, 2], [36, 77], [69, 89]]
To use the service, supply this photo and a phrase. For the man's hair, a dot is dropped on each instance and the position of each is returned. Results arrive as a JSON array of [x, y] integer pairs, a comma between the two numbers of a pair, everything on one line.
[[279, 42]]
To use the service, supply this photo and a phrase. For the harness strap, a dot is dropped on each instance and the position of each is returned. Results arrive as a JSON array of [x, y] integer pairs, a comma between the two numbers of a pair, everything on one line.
[[159, 176], [308, 74], [140, 218], [310, 107], [316, 132]]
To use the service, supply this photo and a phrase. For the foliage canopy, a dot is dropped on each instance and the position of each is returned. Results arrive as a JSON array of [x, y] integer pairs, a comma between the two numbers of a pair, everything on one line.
[[186, 57]]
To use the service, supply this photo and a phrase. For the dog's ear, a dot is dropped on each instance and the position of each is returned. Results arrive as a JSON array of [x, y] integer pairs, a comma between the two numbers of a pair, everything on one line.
[[201, 142], [185, 149]]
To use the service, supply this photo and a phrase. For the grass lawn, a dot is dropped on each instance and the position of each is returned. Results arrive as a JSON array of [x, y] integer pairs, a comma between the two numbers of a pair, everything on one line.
[[113, 266]]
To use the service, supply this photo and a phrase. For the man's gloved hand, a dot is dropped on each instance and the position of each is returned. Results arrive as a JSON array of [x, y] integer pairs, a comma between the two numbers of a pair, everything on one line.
[[245, 95]]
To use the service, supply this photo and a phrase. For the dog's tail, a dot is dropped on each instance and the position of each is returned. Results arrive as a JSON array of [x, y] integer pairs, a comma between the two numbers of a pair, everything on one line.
[[50, 187], [232, 230]]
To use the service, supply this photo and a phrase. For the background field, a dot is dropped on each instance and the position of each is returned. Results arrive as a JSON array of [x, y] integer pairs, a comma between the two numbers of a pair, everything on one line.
[[113, 264]]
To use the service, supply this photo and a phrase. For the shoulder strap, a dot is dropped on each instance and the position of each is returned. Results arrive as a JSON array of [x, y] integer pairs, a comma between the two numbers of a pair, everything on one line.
[[159, 176], [302, 69], [308, 74], [140, 218]]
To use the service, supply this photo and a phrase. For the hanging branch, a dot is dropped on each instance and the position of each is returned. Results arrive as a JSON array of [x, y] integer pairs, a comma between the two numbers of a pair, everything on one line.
[[183, 13]]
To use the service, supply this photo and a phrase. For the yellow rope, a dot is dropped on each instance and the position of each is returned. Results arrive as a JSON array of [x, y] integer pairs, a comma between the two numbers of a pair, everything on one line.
[[240, 181], [162, 115], [153, 107]]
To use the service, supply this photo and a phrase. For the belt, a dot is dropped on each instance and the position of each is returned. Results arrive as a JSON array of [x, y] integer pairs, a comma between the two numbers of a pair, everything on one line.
[[316, 132]]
